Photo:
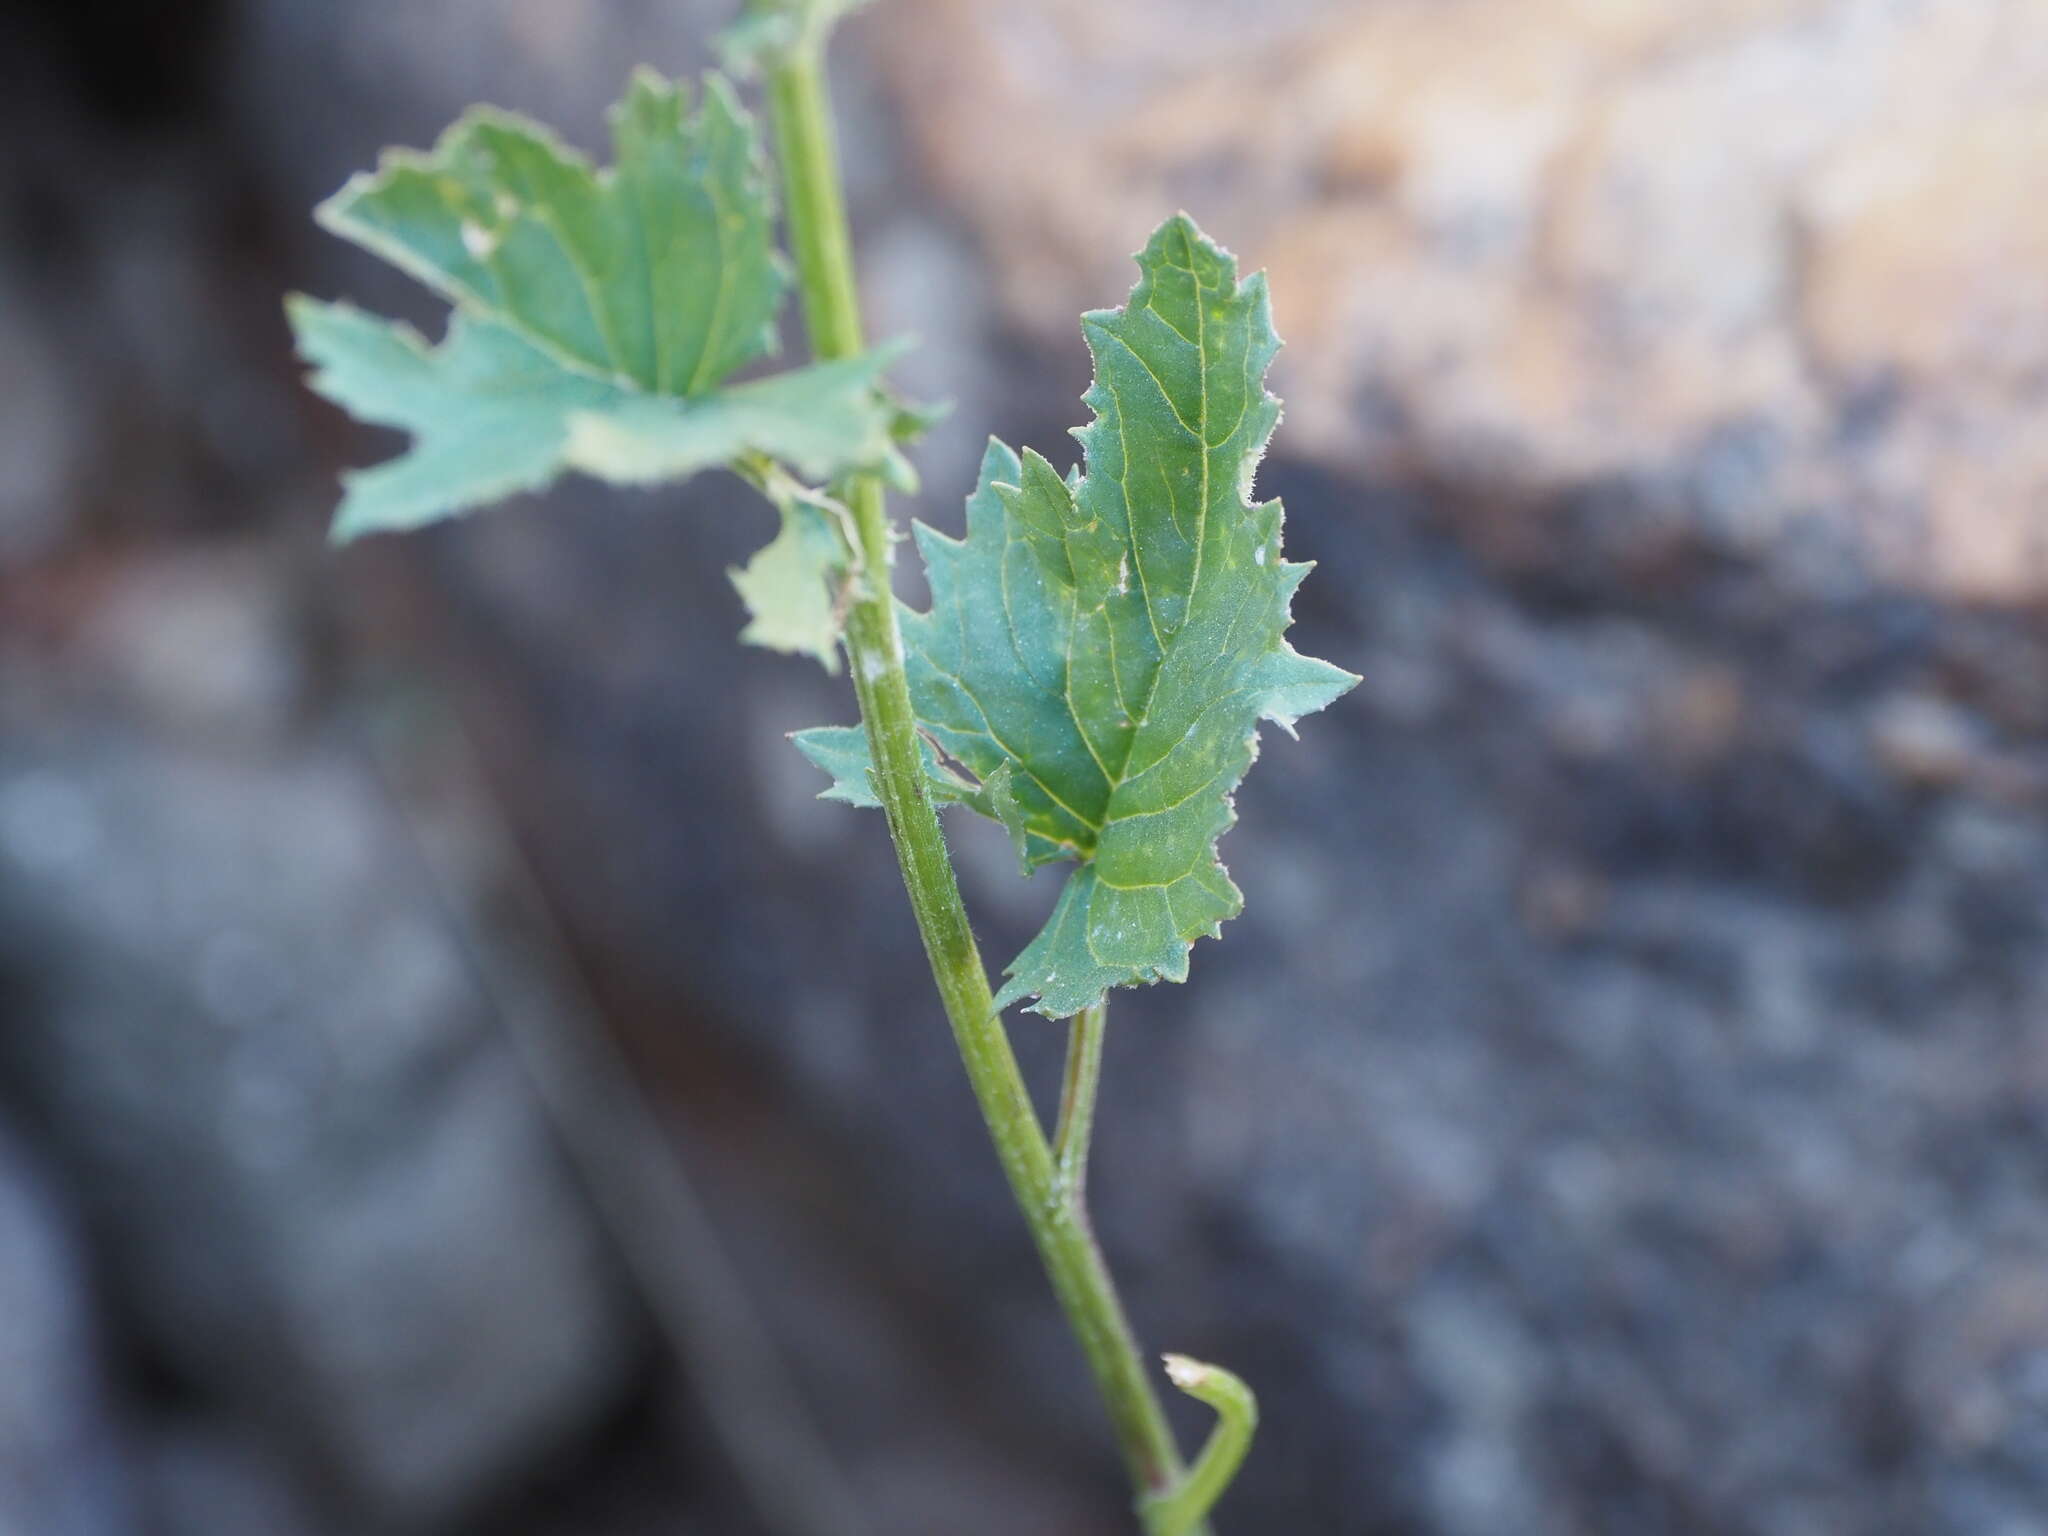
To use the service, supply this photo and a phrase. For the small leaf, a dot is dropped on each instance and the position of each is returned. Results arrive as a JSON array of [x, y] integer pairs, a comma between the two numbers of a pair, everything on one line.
[[795, 587], [910, 420], [1002, 804], [1103, 646], [842, 751], [908, 423]]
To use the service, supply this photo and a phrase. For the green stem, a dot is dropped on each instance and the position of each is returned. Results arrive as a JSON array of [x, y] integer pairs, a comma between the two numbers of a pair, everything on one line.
[[1237, 1416], [800, 105], [1077, 1102]]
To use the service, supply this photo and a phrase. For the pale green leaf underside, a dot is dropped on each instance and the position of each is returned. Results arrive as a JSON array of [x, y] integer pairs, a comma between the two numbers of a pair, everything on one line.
[[1109, 644], [492, 416], [796, 586]]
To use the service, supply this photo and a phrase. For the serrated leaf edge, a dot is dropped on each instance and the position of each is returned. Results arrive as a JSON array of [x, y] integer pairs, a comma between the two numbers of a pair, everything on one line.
[[332, 212]]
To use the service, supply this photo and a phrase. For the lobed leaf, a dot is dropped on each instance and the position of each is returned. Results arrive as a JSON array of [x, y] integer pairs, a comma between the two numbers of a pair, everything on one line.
[[599, 315], [660, 273], [1106, 645]]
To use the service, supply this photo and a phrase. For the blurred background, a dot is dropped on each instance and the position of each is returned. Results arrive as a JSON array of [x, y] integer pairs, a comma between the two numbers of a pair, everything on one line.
[[456, 1081]]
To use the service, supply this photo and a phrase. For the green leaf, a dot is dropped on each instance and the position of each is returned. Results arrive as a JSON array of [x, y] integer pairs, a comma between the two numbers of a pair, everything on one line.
[[1108, 644], [796, 586], [908, 423], [660, 273], [910, 420], [599, 315], [842, 751], [492, 416]]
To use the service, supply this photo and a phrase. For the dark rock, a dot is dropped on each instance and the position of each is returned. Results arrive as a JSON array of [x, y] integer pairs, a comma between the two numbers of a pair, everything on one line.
[[62, 1470], [209, 1479]]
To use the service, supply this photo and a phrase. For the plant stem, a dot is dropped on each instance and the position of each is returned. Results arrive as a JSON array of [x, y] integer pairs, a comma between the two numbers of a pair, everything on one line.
[[1077, 1102], [801, 109], [1237, 1417]]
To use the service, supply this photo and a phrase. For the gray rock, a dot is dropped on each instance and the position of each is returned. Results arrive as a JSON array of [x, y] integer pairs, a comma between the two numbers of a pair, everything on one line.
[[335, 1206], [208, 1479], [61, 1468]]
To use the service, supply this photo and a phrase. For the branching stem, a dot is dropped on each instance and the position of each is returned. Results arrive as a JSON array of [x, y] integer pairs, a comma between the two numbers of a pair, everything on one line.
[[801, 110]]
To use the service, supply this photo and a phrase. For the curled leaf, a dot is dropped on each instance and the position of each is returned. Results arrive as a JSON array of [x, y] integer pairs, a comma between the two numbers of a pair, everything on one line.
[[796, 587]]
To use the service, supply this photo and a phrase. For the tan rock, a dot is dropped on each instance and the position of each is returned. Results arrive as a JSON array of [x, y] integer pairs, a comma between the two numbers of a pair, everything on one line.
[[1540, 242]]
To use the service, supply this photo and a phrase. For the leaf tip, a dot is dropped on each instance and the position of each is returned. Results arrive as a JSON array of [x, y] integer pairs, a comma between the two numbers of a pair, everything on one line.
[[1192, 240], [335, 212], [348, 525], [303, 312], [652, 103], [999, 463], [883, 354], [649, 82]]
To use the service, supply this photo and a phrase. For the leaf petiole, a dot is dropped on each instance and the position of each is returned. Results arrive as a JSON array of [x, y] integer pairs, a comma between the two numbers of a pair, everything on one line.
[[1077, 1099]]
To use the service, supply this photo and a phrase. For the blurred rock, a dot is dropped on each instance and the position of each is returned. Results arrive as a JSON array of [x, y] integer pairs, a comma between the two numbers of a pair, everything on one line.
[[40, 437], [202, 643], [62, 1471], [1771, 260], [337, 1208], [211, 1480], [1924, 740], [143, 339]]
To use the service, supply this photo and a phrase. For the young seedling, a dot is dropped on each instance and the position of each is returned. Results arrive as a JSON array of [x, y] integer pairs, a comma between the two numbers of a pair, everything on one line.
[[1101, 648]]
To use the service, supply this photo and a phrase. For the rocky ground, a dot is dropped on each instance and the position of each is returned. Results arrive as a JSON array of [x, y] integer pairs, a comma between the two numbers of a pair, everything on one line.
[[1620, 1109]]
